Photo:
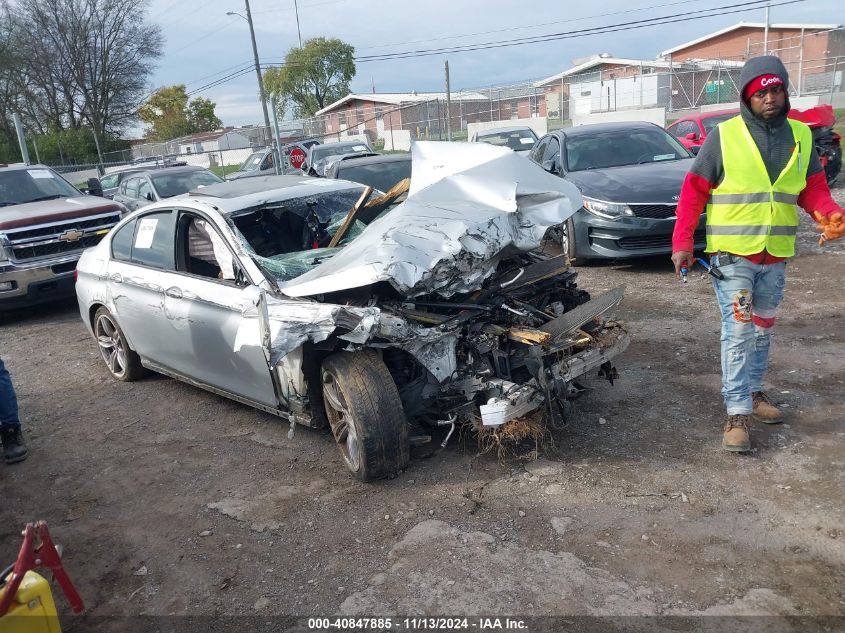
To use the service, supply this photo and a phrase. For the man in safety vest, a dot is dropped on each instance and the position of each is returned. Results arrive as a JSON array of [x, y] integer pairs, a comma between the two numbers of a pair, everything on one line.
[[751, 175]]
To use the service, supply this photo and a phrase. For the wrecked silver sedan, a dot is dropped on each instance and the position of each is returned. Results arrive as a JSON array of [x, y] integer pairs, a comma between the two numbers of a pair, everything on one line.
[[325, 303]]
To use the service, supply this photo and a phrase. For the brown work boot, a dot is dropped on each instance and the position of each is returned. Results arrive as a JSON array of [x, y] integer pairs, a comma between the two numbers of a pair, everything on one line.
[[764, 410], [735, 438]]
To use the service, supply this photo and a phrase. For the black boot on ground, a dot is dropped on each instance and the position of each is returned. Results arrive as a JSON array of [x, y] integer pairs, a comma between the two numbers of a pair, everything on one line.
[[14, 449]]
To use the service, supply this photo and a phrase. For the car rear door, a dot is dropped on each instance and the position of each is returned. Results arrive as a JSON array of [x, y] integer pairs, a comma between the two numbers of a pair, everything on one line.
[[142, 253]]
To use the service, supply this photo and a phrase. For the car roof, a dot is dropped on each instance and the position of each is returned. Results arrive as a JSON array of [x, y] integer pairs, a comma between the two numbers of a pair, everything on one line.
[[171, 170], [582, 130], [236, 195], [499, 130], [20, 166], [340, 144], [706, 115], [374, 160]]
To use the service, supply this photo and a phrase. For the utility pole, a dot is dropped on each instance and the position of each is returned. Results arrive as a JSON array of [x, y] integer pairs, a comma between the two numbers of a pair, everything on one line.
[[261, 92], [448, 106], [22, 139], [277, 149], [766, 33], [298, 32]]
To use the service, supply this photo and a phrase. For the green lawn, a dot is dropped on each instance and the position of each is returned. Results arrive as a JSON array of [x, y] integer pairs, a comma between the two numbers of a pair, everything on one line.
[[225, 169]]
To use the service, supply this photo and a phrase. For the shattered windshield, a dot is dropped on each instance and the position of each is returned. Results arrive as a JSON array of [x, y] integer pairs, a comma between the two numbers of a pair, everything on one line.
[[292, 236]]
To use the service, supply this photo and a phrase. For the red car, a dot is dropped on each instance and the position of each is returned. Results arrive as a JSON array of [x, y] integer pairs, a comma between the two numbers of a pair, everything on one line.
[[692, 130]]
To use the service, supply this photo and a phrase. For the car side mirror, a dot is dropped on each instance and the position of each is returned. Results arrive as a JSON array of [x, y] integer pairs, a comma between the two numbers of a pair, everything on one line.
[[551, 166], [695, 149], [94, 188], [149, 196], [692, 136]]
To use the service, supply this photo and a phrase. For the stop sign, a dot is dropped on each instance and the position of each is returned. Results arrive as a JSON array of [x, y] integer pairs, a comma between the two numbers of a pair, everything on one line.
[[296, 157]]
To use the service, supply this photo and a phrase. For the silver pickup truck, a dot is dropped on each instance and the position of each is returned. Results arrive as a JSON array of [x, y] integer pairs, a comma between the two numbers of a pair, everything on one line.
[[45, 224]]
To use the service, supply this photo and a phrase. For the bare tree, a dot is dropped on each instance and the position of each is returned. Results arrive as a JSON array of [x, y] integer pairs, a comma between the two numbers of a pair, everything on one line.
[[81, 62]]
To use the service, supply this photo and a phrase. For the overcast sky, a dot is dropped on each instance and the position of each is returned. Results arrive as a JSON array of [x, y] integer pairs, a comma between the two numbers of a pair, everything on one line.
[[204, 44]]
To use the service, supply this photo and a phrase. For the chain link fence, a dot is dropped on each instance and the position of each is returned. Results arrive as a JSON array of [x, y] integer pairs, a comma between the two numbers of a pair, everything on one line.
[[389, 122]]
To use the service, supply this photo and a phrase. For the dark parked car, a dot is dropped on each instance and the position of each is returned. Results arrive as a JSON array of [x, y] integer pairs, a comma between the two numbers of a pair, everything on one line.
[[151, 186], [111, 182], [319, 156], [520, 138], [630, 175], [381, 171]]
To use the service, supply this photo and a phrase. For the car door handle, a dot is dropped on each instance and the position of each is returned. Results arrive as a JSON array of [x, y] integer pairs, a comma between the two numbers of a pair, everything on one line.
[[116, 278], [173, 293]]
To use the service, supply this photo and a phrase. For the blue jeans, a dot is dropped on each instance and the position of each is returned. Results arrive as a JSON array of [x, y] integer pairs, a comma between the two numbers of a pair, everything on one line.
[[748, 298], [8, 400]]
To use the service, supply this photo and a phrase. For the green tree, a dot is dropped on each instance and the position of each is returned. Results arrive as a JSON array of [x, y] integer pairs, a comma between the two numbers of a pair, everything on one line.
[[170, 115], [201, 115], [312, 76]]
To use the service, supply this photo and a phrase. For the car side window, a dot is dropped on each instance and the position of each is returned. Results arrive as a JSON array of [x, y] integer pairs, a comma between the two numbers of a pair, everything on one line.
[[154, 244], [686, 127], [204, 252], [121, 242], [537, 153], [552, 151], [107, 182], [145, 190], [130, 187]]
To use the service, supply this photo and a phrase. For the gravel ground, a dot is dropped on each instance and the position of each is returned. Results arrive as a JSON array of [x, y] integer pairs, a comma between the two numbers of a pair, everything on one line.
[[170, 500]]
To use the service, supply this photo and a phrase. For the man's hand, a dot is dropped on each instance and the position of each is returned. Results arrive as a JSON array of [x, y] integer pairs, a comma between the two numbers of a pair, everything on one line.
[[832, 226], [682, 259]]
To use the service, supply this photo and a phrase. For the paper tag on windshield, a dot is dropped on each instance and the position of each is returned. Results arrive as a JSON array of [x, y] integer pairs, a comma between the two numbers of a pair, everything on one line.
[[527, 141], [39, 173], [146, 231], [359, 148], [664, 157]]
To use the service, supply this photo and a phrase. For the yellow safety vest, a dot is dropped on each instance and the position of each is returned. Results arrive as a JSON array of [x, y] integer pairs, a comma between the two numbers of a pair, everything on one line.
[[746, 213]]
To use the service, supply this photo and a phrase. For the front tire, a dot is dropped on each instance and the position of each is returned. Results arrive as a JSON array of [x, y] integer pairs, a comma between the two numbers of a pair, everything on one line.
[[567, 239], [122, 363], [365, 414]]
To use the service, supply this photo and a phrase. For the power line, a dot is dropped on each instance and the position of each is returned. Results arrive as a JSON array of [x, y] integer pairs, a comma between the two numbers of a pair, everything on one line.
[[613, 28], [528, 26]]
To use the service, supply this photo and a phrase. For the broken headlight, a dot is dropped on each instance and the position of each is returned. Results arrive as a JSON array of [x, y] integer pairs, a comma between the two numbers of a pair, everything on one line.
[[608, 210]]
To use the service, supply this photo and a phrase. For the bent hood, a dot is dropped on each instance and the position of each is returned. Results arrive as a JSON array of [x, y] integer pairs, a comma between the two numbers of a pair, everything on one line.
[[469, 205], [649, 182]]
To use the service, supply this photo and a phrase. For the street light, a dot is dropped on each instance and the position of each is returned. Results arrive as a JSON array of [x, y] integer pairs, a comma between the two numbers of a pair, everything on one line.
[[248, 18]]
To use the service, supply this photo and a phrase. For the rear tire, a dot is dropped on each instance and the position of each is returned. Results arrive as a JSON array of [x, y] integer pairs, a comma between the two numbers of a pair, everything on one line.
[[122, 363], [365, 414]]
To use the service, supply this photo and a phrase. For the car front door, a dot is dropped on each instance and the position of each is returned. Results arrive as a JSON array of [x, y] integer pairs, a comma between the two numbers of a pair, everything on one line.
[[145, 192], [129, 194], [203, 304]]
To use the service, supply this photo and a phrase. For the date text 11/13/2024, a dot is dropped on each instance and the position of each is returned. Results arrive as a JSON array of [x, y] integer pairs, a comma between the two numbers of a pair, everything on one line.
[[415, 624]]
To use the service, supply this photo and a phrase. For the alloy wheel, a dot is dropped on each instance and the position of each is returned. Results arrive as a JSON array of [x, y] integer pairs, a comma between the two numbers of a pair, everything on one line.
[[111, 345], [340, 420]]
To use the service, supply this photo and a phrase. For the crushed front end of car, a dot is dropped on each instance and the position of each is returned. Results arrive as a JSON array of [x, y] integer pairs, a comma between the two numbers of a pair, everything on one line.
[[450, 292]]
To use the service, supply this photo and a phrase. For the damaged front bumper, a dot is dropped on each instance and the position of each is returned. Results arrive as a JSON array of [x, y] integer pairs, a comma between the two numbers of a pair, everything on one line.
[[516, 400]]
